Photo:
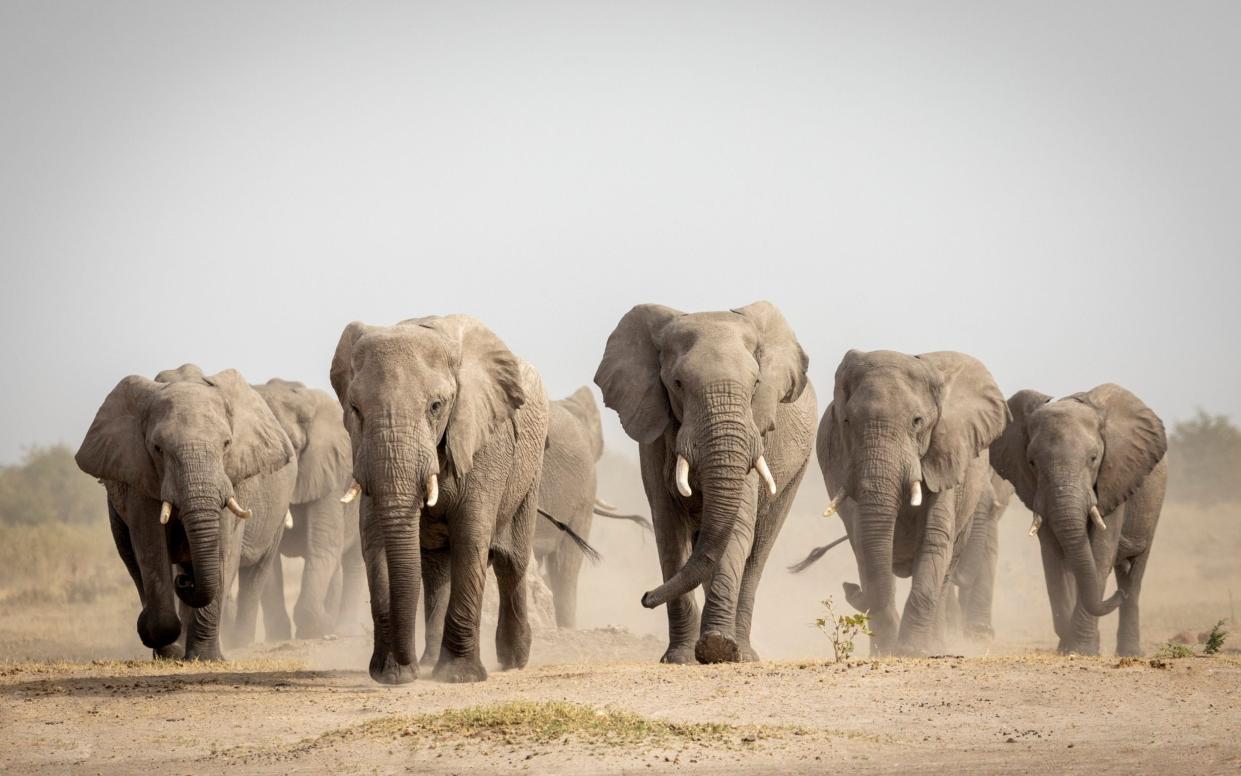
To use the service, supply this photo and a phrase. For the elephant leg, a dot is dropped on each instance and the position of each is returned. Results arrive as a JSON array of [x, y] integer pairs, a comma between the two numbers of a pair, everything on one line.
[[672, 540], [977, 600], [767, 526], [158, 625], [513, 629], [334, 589], [436, 567], [931, 567], [563, 567], [325, 535], [1129, 634], [352, 591], [469, 537], [276, 625], [718, 640], [251, 581]]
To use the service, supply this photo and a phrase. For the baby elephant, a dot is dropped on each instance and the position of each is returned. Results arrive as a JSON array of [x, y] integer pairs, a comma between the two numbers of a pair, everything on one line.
[[1093, 465]]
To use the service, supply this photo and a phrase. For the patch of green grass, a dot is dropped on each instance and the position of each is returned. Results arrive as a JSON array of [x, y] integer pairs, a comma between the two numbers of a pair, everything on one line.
[[1171, 651], [1215, 639]]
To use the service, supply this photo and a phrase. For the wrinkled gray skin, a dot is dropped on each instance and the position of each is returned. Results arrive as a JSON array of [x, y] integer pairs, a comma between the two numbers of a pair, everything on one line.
[[720, 389], [974, 577], [567, 492], [442, 396], [324, 532], [193, 441], [1102, 448], [896, 420]]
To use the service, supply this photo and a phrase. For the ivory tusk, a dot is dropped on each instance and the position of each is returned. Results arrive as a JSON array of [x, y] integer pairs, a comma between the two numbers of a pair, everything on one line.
[[165, 512], [433, 490], [1036, 524], [352, 493], [604, 505], [765, 473], [235, 508], [831, 508], [683, 477], [1097, 518], [915, 494], [288, 519]]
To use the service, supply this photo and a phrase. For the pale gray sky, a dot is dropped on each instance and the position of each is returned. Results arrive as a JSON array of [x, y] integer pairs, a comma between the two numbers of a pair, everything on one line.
[[1052, 187]]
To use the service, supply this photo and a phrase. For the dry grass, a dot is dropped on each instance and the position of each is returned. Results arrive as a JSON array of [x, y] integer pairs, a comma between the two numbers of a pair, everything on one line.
[[59, 563]]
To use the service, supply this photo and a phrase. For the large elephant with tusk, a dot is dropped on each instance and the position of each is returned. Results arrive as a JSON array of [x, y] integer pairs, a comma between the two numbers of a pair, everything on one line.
[[903, 448], [1091, 468], [447, 429], [722, 410], [190, 463]]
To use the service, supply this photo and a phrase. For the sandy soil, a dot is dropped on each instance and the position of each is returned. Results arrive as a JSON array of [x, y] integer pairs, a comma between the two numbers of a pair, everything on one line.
[[272, 711]]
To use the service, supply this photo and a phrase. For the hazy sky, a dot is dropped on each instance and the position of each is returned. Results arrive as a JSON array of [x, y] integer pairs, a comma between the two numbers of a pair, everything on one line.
[[1052, 187]]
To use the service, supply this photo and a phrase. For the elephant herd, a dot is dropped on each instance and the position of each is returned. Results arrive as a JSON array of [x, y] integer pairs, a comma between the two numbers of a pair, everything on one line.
[[441, 455]]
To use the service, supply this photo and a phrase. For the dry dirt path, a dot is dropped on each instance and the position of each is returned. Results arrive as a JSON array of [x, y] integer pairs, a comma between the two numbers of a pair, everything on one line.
[[272, 712]]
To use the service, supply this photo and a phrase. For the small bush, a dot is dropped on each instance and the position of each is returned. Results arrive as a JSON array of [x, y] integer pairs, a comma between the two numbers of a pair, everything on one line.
[[1215, 639], [1172, 651], [841, 630]]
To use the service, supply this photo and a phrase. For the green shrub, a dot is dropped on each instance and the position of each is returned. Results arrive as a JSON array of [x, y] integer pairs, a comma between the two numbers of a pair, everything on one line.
[[841, 630], [47, 486], [1215, 639]]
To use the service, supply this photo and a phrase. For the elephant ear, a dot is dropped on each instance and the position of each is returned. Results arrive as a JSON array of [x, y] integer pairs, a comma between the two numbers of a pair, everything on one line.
[[833, 441], [312, 420], [1008, 453], [341, 373], [1134, 441], [782, 363], [972, 413], [489, 389], [581, 404], [115, 445], [629, 375], [259, 445]]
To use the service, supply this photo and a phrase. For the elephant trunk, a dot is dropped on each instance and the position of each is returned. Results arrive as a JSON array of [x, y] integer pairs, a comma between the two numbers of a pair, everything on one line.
[[880, 487], [204, 485], [1068, 522], [728, 451]]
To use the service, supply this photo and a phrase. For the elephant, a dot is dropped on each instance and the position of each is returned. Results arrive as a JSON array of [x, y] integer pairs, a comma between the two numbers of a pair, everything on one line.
[[323, 531], [447, 430], [897, 425], [567, 494], [721, 408], [1092, 468], [179, 456], [974, 577]]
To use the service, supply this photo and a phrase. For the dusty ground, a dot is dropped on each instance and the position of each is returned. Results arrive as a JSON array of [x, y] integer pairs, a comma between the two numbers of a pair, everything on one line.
[[271, 711]]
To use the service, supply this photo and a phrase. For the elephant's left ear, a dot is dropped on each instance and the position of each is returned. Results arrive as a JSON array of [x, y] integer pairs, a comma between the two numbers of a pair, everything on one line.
[[972, 414], [581, 404], [782, 363], [259, 445], [489, 386], [1134, 441]]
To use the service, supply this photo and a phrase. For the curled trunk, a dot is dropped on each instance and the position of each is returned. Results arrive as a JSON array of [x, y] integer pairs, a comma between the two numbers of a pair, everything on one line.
[[202, 532], [1069, 523]]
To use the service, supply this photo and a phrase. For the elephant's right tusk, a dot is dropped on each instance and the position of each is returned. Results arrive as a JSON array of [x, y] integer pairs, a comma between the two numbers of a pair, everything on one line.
[[433, 490], [831, 507], [236, 509], [604, 505], [915, 494], [1097, 518], [683, 477], [352, 493], [288, 519], [765, 472], [165, 512], [1037, 524]]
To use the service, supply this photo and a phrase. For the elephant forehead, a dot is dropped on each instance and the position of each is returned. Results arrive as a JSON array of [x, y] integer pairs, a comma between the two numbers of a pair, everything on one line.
[[1064, 421], [184, 408], [723, 330], [407, 359]]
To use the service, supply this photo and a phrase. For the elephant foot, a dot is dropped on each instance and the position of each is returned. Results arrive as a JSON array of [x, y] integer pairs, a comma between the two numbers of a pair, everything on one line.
[[385, 669], [679, 654], [513, 655], [748, 655], [460, 670], [715, 647], [204, 652], [307, 628], [1128, 650], [171, 651], [981, 632], [430, 658]]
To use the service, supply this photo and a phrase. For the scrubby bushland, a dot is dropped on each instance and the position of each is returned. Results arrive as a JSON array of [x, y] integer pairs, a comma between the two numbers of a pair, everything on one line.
[[47, 486], [1204, 460]]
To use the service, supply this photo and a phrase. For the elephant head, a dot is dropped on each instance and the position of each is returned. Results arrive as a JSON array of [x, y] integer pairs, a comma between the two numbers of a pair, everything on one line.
[[312, 420], [420, 399], [897, 423], [1075, 460], [709, 384], [186, 440]]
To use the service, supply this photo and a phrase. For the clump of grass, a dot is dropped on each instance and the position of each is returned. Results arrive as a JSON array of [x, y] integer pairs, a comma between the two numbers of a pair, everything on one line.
[[1215, 639], [1172, 651], [841, 630], [544, 722]]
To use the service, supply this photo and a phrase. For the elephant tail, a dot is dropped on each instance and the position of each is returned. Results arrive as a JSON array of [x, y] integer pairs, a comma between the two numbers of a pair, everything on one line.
[[815, 554], [609, 511], [590, 552]]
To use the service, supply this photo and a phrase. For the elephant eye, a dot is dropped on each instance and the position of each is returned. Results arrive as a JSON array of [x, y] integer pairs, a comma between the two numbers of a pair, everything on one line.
[[918, 422], [355, 409], [436, 406], [227, 443], [676, 384], [159, 450]]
